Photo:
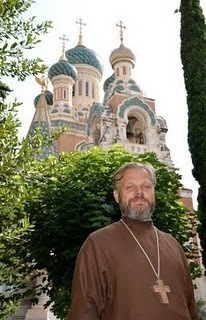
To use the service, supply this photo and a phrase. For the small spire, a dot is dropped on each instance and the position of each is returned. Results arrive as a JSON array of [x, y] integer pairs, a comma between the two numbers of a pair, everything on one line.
[[80, 30], [121, 27]]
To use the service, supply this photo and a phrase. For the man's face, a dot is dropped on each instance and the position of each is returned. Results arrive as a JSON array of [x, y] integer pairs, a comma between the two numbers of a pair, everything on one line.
[[135, 194]]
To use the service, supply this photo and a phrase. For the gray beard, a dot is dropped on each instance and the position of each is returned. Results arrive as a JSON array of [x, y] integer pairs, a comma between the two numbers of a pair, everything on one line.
[[136, 214]]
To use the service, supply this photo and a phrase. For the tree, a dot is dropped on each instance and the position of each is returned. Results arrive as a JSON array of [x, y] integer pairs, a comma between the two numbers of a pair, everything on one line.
[[193, 55], [74, 197], [17, 35]]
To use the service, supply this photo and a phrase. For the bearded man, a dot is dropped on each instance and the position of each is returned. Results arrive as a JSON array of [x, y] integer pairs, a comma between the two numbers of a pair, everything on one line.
[[130, 270]]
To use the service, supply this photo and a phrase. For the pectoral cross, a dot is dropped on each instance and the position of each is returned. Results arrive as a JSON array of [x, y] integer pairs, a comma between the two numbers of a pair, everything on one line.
[[162, 290]]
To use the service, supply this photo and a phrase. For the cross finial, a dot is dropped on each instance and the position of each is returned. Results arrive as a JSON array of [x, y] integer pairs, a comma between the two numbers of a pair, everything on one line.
[[64, 39], [81, 23], [121, 27]]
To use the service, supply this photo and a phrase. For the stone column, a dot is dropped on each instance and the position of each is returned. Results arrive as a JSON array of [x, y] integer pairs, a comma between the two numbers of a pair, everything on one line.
[[24, 307], [38, 312]]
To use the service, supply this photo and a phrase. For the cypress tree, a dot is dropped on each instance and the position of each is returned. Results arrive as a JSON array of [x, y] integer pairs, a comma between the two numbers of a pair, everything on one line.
[[193, 56]]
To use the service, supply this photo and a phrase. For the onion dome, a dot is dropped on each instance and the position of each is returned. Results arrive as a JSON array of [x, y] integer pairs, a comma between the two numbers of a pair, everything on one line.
[[122, 54], [48, 97], [82, 55], [62, 67]]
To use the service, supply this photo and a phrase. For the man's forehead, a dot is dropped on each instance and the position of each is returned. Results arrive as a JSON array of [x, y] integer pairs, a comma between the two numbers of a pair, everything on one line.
[[139, 170]]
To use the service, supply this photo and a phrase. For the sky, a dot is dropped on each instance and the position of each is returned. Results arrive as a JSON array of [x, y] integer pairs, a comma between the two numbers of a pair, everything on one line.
[[152, 33]]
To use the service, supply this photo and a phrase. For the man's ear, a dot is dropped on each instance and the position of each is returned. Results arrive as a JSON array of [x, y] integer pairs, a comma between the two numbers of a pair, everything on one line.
[[116, 196]]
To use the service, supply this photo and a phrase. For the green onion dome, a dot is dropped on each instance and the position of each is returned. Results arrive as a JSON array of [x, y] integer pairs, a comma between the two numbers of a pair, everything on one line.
[[48, 97], [82, 55], [62, 67]]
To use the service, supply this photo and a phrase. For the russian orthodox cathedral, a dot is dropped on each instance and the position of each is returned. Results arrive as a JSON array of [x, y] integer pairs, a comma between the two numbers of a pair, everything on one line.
[[125, 116]]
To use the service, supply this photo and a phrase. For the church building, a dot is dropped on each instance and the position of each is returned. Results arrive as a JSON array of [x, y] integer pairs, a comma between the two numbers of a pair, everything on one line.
[[125, 116]]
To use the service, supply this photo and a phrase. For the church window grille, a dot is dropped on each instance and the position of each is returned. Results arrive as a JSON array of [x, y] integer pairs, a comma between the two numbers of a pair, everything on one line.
[[86, 88], [65, 94]]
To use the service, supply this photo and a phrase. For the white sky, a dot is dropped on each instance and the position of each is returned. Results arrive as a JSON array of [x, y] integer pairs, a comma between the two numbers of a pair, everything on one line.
[[153, 34]]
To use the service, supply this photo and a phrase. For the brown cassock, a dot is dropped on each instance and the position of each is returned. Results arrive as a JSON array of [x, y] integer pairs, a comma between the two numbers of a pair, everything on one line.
[[114, 281]]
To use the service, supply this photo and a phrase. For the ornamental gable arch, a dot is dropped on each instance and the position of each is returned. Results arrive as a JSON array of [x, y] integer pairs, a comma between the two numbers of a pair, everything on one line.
[[136, 120], [81, 145]]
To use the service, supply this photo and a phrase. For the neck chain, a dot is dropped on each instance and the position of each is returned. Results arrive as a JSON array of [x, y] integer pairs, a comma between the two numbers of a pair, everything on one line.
[[160, 288], [157, 273]]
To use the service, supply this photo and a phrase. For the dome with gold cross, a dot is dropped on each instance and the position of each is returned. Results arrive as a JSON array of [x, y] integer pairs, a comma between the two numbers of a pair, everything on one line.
[[83, 55], [122, 53], [62, 67]]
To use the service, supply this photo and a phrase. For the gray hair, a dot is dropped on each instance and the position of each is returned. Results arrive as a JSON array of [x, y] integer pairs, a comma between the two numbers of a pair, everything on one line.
[[118, 175]]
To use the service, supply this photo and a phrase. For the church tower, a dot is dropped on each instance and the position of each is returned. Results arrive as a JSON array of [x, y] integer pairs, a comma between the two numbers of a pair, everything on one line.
[[126, 116]]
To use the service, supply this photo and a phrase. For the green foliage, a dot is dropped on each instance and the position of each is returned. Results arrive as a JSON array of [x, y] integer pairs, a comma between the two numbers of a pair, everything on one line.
[[13, 219], [18, 35], [195, 270], [193, 55], [74, 197], [16, 170], [202, 219]]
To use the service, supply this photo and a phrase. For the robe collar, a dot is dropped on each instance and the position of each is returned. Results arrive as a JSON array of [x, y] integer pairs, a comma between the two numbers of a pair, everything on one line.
[[138, 225]]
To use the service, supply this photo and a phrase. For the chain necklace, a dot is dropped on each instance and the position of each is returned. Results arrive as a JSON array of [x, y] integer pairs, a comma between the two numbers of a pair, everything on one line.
[[159, 288]]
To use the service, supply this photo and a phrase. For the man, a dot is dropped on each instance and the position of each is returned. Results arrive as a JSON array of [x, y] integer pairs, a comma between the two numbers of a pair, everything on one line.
[[130, 270]]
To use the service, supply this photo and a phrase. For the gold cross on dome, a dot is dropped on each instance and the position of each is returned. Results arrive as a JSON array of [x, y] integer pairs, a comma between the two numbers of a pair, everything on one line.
[[121, 27], [162, 290], [80, 25], [64, 39]]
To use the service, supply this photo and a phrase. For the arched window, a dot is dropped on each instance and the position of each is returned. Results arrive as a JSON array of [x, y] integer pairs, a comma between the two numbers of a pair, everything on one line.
[[134, 130], [117, 71], [65, 94], [58, 94], [87, 89]]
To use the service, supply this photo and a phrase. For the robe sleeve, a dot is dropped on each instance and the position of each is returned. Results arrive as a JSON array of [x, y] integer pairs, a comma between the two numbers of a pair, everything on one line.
[[91, 285]]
